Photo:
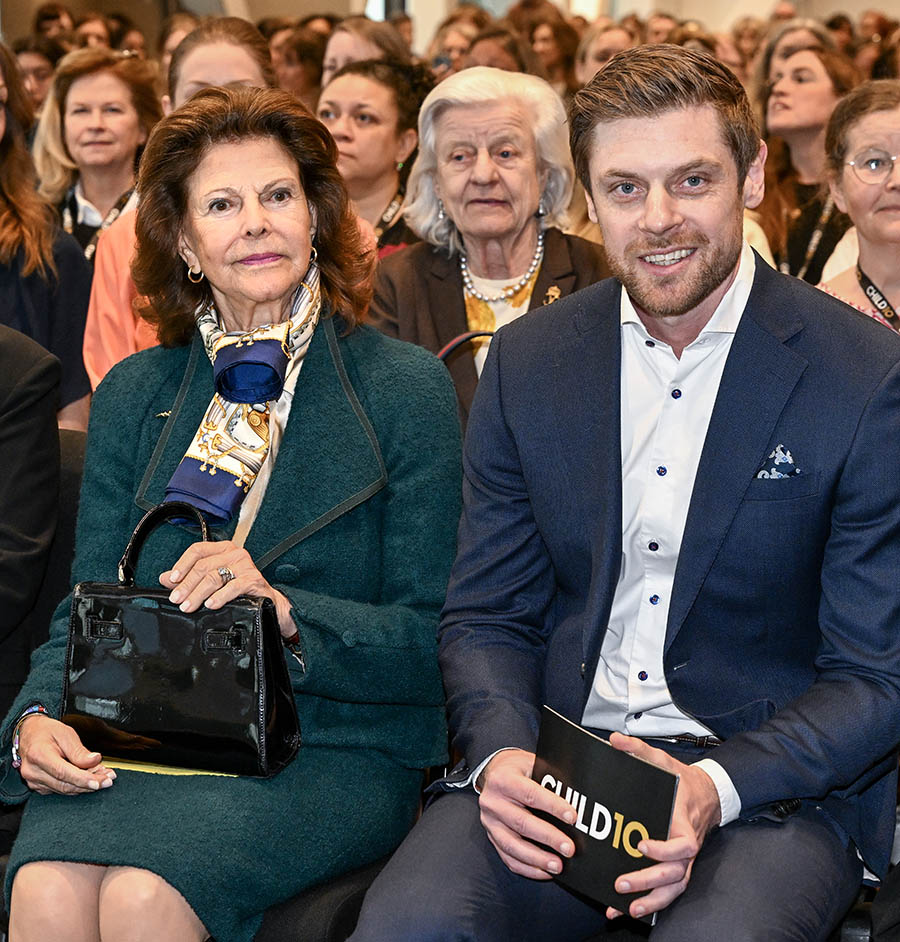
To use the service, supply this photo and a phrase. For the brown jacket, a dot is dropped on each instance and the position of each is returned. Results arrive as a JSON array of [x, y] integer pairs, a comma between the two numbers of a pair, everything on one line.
[[419, 297]]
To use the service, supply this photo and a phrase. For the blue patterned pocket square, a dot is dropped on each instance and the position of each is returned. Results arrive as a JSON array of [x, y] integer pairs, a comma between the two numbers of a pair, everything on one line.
[[779, 464]]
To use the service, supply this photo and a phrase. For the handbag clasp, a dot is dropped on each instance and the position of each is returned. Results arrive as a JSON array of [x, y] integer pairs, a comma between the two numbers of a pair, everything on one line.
[[100, 630]]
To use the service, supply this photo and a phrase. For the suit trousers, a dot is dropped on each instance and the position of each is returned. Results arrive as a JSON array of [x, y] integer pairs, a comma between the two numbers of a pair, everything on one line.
[[754, 881]]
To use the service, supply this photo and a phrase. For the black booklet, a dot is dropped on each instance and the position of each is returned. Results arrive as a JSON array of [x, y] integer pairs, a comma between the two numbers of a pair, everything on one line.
[[619, 800]]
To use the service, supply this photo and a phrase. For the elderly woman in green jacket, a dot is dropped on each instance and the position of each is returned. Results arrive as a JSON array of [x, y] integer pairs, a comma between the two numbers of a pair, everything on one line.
[[347, 457]]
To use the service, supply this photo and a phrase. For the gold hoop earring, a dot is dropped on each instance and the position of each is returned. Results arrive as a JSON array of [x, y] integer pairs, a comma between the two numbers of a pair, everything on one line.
[[192, 279], [313, 256]]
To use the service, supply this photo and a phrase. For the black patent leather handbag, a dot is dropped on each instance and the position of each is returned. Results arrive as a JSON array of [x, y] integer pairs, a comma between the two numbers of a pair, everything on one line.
[[149, 683]]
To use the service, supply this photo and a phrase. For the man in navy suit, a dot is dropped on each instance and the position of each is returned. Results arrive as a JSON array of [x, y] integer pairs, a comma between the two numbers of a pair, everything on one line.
[[681, 523]]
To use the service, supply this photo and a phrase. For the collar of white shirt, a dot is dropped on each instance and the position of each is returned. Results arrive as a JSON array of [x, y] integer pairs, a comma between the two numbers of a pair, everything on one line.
[[88, 214], [726, 316]]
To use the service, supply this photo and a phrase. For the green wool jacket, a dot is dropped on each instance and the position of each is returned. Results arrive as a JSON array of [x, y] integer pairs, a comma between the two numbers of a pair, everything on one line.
[[357, 528]]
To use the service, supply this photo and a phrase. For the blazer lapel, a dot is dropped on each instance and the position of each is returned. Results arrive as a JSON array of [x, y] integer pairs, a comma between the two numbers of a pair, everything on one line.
[[327, 429], [446, 304], [759, 376], [586, 390], [556, 278], [447, 309], [329, 460], [188, 409]]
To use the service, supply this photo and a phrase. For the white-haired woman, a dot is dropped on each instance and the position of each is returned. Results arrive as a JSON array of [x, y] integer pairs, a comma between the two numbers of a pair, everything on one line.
[[487, 193]]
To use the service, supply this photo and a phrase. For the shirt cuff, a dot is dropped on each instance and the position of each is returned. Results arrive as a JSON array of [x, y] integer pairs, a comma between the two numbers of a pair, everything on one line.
[[473, 776], [729, 799]]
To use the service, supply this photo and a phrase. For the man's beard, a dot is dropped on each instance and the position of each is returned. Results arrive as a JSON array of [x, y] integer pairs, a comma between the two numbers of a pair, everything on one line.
[[659, 296]]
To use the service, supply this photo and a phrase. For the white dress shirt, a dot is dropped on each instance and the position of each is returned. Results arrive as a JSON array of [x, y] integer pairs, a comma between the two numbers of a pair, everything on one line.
[[87, 213], [666, 404]]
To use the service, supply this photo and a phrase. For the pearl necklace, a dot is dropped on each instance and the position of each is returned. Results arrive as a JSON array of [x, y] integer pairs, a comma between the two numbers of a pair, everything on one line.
[[509, 292]]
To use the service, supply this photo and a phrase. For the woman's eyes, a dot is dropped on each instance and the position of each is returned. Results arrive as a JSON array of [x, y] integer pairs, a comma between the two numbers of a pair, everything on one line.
[[221, 205], [325, 114], [876, 162]]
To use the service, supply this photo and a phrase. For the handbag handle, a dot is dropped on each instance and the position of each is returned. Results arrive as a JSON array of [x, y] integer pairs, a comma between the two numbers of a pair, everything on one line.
[[148, 523], [445, 351]]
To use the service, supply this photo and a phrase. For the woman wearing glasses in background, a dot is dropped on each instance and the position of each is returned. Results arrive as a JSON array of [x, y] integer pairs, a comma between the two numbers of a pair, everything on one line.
[[862, 143]]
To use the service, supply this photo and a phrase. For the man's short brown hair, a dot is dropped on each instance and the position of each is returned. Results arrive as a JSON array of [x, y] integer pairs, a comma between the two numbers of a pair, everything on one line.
[[647, 81]]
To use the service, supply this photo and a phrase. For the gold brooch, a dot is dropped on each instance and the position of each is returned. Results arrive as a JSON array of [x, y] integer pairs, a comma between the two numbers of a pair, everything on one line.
[[553, 294]]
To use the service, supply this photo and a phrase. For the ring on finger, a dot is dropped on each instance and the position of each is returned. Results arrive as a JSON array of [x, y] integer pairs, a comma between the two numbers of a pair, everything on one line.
[[226, 574]]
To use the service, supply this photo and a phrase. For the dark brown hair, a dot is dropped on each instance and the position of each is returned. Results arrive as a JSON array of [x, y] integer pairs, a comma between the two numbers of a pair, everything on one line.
[[780, 201], [43, 46], [409, 85], [567, 40], [223, 29], [308, 49], [839, 68], [171, 24], [49, 13], [26, 220], [379, 34], [882, 95], [646, 81], [514, 46], [176, 147]]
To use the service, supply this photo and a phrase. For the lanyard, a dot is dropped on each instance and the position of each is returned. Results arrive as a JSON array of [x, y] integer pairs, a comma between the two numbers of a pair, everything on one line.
[[111, 217], [879, 301], [389, 214], [814, 240]]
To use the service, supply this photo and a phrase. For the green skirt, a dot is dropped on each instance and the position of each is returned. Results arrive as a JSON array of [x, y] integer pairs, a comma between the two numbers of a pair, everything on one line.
[[232, 847]]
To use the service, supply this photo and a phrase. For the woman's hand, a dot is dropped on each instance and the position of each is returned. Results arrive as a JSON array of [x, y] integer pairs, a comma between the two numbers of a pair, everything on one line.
[[54, 759], [195, 580]]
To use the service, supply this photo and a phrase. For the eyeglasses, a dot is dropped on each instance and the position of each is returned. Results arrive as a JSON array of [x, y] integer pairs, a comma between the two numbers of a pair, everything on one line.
[[872, 165]]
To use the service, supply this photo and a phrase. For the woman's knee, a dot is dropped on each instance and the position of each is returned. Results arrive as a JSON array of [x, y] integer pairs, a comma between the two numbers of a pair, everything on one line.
[[132, 897], [55, 897]]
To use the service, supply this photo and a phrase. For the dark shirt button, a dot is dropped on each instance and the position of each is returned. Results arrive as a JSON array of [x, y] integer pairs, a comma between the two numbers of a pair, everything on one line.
[[654, 599], [661, 471], [637, 716], [653, 546], [649, 343], [676, 393], [642, 675]]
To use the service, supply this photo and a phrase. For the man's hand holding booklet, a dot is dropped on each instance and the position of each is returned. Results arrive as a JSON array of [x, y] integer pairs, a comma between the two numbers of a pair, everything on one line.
[[619, 800]]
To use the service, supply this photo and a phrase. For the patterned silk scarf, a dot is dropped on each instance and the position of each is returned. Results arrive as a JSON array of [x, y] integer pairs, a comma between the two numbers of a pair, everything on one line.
[[232, 442]]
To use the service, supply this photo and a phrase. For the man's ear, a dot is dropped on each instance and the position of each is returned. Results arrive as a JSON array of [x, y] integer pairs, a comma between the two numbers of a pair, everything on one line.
[[167, 107], [755, 181], [592, 210]]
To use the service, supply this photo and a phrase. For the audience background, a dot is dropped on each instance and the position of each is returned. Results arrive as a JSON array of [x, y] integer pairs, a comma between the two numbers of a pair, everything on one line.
[[538, 37], [773, 52]]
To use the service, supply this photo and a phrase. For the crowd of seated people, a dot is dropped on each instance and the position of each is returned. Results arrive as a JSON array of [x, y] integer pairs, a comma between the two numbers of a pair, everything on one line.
[[438, 202]]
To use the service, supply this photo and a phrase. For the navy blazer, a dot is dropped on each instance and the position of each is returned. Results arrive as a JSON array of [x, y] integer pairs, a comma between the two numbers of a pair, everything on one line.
[[783, 634]]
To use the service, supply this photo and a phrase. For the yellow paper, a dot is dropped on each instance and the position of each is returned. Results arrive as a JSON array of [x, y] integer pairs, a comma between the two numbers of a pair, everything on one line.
[[154, 769]]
